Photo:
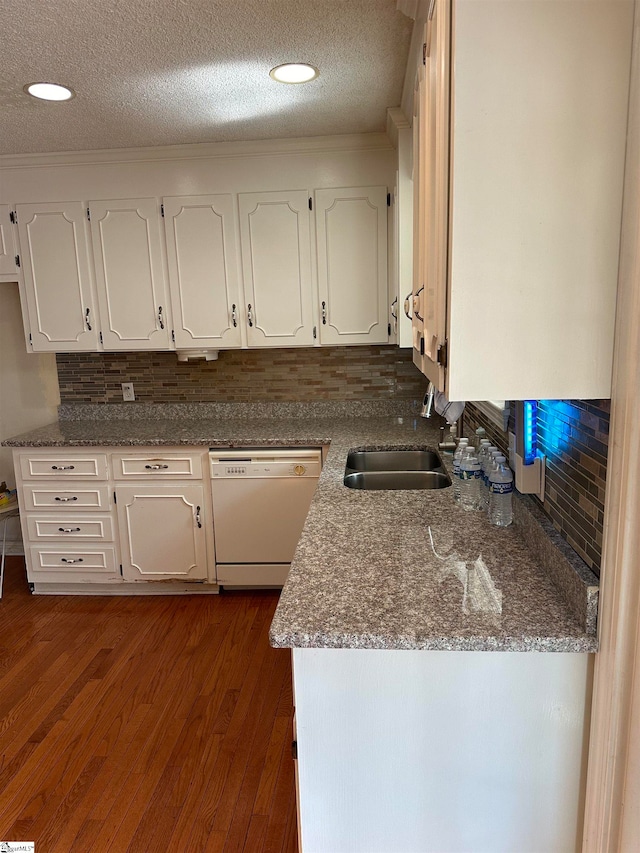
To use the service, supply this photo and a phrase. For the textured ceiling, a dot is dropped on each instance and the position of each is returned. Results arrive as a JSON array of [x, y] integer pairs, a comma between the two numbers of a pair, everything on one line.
[[161, 72]]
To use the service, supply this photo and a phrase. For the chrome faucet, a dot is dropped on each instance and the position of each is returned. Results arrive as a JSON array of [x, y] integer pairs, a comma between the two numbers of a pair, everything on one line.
[[427, 403]]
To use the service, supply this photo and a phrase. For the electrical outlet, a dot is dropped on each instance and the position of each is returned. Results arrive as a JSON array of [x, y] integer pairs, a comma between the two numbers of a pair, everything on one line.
[[127, 392]]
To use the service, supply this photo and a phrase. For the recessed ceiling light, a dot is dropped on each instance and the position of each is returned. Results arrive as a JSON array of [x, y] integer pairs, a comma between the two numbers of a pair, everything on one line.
[[294, 72], [49, 91]]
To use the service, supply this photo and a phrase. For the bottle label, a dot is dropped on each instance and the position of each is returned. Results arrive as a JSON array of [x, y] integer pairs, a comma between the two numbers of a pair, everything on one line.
[[469, 475], [501, 488]]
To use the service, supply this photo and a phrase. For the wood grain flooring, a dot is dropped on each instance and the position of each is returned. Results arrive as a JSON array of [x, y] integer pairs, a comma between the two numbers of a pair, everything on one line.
[[136, 725]]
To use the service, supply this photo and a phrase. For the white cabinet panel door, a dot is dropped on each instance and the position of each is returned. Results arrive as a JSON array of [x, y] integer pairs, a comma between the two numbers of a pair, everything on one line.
[[351, 229], [203, 270], [276, 263], [8, 268], [132, 291], [162, 531], [54, 250]]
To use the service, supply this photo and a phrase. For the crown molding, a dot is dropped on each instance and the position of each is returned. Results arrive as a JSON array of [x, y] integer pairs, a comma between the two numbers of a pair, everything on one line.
[[201, 151]]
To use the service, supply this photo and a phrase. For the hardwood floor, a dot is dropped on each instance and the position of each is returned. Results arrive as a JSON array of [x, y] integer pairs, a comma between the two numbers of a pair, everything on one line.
[[135, 725]]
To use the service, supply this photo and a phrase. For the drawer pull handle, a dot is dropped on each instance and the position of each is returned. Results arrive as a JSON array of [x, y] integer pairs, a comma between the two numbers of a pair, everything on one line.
[[198, 520], [324, 313], [69, 560], [234, 316], [160, 317], [155, 467], [64, 500], [69, 529], [62, 467]]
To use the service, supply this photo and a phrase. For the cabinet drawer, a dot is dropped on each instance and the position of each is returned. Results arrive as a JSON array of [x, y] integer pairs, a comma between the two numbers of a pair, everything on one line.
[[68, 497], [84, 466], [98, 561], [67, 526], [146, 466]]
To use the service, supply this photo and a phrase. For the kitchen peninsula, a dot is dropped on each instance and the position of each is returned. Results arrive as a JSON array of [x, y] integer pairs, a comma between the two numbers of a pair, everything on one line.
[[426, 716]]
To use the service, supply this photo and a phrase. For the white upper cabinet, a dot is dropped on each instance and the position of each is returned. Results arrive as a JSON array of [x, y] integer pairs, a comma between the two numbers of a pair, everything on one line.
[[276, 264], [351, 232], [132, 292], [54, 251], [203, 270], [9, 270], [521, 169]]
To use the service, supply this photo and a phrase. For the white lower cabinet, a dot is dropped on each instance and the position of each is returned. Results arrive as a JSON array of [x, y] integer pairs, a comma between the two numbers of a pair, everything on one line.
[[146, 517], [403, 751], [162, 531]]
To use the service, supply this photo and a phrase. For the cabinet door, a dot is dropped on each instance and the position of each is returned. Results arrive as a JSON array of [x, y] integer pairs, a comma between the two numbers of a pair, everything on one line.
[[162, 533], [54, 250], [276, 264], [203, 270], [130, 278], [8, 267], [351, 230], [432, 200]]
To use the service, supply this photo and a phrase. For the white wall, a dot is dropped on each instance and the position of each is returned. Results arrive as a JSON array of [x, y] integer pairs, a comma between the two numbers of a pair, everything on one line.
[[29, 393]]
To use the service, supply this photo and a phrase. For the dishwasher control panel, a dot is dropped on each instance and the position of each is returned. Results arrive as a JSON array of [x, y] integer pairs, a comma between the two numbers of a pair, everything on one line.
[[265, 463]]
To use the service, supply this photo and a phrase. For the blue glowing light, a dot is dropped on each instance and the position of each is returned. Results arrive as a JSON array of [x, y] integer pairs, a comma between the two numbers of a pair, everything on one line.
[[529, 427]]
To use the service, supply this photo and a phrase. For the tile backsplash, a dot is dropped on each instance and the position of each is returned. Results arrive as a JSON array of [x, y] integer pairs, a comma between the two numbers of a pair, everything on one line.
[[295, 374], [574, 437], [573, 434]]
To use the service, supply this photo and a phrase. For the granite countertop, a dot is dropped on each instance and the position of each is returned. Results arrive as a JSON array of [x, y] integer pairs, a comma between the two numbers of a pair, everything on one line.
[[390, 569]]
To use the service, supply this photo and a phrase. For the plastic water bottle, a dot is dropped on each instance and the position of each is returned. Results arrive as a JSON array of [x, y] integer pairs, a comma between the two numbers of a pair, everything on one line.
[[457, 456], [469, 480], [480, 434], [500, 491], [484, 458]]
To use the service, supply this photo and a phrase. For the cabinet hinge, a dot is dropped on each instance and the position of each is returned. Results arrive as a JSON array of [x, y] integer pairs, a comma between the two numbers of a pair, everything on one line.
[[17, 260], [101, 337], [424, 53], [173, 335], [310, 204], [443, 353], [13, 216], [162, 210], [421, 346], [315, 332], [388, 199], [294, 750], [88, 214]]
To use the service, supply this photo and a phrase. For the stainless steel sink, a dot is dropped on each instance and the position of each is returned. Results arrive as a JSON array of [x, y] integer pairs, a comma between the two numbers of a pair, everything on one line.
[[393, 460], [378, 480]]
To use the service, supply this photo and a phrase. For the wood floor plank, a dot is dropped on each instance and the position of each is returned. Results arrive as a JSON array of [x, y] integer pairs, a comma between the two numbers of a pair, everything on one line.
[[136, 725]]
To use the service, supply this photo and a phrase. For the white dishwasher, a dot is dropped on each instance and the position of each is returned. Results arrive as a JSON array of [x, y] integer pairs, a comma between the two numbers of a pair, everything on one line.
[[261, 498]]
